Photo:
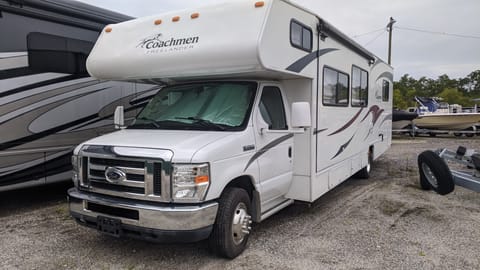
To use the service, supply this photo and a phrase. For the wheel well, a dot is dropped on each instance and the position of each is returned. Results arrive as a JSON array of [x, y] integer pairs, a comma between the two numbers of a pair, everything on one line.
[[244, 182]]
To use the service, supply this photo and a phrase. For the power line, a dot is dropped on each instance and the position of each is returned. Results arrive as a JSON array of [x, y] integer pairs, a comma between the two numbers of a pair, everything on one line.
[[375, 38], [436, 32], [368, 33]]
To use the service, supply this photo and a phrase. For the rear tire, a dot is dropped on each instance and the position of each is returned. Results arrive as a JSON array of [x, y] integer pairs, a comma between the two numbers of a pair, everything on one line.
[[434, 173], [232, 226], [364, 173]]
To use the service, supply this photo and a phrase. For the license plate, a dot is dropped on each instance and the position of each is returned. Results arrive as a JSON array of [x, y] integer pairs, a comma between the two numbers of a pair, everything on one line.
[[110, 226]]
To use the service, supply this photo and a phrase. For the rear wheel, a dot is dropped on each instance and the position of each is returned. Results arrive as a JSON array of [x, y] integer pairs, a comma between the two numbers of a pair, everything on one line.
[[364, 173], [434, 173], [233, 223]]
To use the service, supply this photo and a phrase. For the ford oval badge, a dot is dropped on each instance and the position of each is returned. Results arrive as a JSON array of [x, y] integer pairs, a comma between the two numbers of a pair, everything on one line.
[[115, 175]]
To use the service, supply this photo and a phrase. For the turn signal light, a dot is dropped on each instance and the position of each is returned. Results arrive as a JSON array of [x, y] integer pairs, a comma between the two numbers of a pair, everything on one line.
[[201, 179]]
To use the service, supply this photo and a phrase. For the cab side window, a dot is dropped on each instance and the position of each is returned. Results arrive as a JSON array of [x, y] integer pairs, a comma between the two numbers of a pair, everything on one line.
[[272, 109]]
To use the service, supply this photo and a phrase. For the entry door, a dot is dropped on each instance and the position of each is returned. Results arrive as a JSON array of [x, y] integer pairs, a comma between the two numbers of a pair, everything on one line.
[[274, 147]]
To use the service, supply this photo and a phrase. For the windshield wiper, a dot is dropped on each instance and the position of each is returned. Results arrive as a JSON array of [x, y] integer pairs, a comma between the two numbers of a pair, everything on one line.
[[148, 120], [204, 122]]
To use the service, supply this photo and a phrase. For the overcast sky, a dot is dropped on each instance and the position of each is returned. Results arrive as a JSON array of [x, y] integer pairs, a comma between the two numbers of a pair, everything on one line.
[[416, 53]]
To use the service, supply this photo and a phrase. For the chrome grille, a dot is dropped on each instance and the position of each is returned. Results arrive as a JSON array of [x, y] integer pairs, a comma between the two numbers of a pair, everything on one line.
[[142, 177]]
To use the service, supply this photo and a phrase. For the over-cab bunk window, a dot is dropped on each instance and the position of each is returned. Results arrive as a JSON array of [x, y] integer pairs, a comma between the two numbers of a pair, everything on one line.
[[359, 87], [300, 36], [335, 87]]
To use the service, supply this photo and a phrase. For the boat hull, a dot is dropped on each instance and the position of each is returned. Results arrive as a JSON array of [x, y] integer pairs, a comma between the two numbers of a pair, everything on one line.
[[460, 121]]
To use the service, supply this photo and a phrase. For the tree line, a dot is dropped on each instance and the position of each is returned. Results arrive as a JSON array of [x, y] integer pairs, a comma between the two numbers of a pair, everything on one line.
[[453, 91]]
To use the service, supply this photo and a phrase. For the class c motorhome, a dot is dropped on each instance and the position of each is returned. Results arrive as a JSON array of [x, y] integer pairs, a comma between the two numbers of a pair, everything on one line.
[[48, 102], [264, 104]]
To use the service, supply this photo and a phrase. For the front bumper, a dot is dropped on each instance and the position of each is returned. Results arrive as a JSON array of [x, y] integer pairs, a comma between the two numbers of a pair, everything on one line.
[[145, 220]]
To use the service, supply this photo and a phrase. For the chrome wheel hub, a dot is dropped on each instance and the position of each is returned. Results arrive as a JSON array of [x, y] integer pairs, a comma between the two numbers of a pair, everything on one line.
[[241, 223], [429, 175]]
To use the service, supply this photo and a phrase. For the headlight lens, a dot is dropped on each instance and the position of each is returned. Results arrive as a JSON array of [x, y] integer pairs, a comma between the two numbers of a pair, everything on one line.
[[190, 182]]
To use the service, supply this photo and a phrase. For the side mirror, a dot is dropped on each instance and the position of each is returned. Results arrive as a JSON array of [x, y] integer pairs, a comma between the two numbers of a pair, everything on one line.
[[301, 115], [118, 118]]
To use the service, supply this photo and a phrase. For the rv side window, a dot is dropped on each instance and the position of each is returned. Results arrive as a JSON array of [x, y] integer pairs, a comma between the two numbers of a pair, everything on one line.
[[300, 36], [386, 91], [335, 88], [359, 87], [272, 109]]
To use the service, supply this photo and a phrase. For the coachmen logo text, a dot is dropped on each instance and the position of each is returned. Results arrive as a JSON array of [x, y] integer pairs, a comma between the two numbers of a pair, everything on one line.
[[159, 44]]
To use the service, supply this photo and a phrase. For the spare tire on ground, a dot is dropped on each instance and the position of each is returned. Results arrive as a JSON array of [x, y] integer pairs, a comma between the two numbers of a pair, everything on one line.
[[434, 173]]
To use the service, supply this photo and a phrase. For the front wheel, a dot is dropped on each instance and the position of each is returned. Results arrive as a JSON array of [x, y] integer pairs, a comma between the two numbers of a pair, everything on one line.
[[233, 223]]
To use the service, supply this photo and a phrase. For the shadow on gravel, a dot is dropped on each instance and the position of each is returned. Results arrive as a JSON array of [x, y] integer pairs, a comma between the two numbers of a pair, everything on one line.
[[15, 201]]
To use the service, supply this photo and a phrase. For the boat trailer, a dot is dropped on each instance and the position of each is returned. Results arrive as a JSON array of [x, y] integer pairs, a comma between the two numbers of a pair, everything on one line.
[[435, 174]]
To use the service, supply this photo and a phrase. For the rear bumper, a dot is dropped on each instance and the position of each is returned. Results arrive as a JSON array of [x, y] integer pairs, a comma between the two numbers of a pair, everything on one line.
[[145, 220]]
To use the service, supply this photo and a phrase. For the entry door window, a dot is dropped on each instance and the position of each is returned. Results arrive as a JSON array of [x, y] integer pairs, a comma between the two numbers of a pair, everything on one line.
[[272, 109]]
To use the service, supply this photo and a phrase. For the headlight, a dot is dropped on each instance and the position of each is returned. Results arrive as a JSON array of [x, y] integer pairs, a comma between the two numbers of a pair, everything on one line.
[[75, 166], [190, 182]]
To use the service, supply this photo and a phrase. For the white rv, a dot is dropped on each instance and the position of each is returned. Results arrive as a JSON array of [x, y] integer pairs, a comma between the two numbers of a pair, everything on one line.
[[265, 104], [48, 102]]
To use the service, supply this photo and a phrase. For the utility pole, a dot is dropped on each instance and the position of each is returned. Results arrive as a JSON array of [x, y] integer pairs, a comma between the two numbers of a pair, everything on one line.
[[390, 30]]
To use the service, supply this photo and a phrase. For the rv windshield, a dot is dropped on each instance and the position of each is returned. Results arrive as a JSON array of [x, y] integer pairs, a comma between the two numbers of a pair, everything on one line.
[[220, 106]]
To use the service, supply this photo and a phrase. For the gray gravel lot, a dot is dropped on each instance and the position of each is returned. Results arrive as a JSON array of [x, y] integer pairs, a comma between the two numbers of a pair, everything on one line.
[[385, 222]]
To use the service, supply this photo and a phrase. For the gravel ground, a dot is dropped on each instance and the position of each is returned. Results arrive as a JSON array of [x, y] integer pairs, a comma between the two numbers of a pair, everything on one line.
[[385, 222]]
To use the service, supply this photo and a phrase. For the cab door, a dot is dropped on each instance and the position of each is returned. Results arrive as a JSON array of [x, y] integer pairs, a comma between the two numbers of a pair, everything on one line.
[[274, 146]]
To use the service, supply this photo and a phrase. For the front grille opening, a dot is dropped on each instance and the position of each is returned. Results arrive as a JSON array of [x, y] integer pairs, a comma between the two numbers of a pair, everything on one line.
[[117, 163], [113, 187], [113, 211], [157, 179]]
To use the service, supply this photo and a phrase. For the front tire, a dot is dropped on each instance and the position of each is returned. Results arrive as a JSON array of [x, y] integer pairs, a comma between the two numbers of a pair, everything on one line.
[[233, 223]]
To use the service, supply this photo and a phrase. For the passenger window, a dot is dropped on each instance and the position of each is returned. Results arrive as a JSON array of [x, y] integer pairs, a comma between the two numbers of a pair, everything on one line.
[[272, 108], [386, 91], [335, 88], [359, 87], [300, 36]]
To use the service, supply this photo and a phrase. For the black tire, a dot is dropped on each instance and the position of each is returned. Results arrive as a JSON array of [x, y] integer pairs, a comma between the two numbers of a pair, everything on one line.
[[470, 134], [223, 241], [434, 173], [364, 173]]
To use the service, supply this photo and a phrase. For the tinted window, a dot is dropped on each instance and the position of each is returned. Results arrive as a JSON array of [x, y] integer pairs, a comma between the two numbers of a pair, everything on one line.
[[300, 36], [335, 87], [272, 109], [359, 87], [386, 91]]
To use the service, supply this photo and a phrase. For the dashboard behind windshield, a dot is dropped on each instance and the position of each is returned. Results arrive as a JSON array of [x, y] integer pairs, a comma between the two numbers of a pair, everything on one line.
[[219, 106]]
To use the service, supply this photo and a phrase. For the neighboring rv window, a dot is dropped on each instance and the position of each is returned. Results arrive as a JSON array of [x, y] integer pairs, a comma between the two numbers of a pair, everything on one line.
[[300, 36], [386, 91], [359, 87], [272, 109], [335, 87]]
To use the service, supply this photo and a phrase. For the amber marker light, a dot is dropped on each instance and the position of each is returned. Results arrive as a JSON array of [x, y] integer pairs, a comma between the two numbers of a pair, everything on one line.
[[195, 15], [201, 179], [108, 29], [259, 4], [157, 22], [176, 19]]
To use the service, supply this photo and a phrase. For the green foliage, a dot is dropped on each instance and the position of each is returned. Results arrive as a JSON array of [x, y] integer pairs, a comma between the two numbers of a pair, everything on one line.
[[453, 91]]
